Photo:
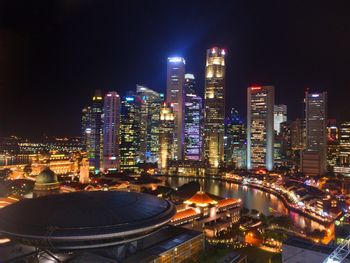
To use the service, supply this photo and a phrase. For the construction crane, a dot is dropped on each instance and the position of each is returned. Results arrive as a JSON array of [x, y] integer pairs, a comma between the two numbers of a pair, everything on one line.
[[340, 253]]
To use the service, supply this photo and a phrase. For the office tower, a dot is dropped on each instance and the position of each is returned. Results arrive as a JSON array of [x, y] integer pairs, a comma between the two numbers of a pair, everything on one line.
[[280, 115], [150, 112], [111, 128], [332, 143], [86, 128], [344, 140], [94, 151], [193, 120], [214, 109], [260, 132], [167, 149], [235, 146], [314, 157], [297, 130], [286, 140], [176, 97], [130, 129]]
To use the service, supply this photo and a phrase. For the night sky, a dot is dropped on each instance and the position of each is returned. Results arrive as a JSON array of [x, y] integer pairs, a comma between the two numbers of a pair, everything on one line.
[[54, 54]]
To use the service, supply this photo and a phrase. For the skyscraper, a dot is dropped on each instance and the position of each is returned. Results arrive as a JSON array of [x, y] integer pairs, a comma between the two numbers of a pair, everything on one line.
[[166, 137], [344, 139], [94, 151], [214, 109], [280, 115], [260, 132], [130, 129], [235, 147], [314, 157], [297, 135], [111, 127], [86, 128], [150, 113], [193, 120], [176, 97]]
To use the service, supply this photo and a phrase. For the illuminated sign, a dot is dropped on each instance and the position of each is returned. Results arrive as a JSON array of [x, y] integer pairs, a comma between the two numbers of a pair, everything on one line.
[[129, 98], [176, 59], [315, 95], [223, 52], [255, 88]]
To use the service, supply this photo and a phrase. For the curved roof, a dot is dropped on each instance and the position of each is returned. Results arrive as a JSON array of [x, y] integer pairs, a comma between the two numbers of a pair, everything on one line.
[[46, 177], [201, 199], [84, 219]]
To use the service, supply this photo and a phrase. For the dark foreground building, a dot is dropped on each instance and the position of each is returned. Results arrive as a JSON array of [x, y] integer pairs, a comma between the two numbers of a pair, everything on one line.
[[95, 227]]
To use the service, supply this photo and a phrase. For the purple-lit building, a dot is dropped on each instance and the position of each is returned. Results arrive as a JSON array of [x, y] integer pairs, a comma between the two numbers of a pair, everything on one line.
[[193, 121], [111, 126]]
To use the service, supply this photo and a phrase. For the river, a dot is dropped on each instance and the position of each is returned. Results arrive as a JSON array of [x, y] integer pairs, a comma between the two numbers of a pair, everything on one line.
[[252, 199]]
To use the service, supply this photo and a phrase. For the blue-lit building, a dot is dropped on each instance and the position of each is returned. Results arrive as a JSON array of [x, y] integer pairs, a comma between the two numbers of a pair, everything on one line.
[[193, 121], [235, 141], [130, 129], [150, 114], [111, 136]]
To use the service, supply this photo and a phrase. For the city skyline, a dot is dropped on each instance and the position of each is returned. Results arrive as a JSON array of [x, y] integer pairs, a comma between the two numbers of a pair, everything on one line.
[[57, 43]]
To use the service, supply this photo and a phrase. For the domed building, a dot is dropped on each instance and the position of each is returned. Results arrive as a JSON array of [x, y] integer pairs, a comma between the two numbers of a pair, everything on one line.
[[46, 183]]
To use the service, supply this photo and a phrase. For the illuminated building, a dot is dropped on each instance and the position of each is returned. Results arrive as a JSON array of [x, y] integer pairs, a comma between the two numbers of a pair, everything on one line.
[[235, 146], [214, 109], [166, 137], [58, 163], [84, 171], [260, 132], [345, 144], [279, 116], [176, 97], [193, 121], [111, 128], [314, 157], [130, 133], [95, 132], [150, 112], [86, 128], [46, 183], [332, 143], [286, 140], [297, 135]]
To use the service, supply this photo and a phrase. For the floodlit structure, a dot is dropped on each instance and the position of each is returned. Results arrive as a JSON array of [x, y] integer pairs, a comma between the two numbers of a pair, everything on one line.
[[214, 109], [260, 132], [279, 116], [111, 136], [176, 97], [167, 148]]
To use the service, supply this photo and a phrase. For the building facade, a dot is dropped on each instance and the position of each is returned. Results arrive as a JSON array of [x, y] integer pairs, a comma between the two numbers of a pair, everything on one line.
[[176, 97], [193, 121], [95, 147], [130, 133], [167, 150], [235, 143], [260, 131], [150, 114], [279, 116], [214, 109], [111, 128], [315, 156]]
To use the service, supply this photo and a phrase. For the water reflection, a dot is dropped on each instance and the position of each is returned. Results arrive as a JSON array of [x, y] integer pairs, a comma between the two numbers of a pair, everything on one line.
[[251, 198]]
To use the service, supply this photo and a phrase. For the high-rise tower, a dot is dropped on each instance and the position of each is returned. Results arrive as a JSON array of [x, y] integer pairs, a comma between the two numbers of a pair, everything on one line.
[[96, 132], [111, 136], [214, 109], [314, 157], [260, 132], [166, 137], [176, 97], [193, 120], [150, 113]]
